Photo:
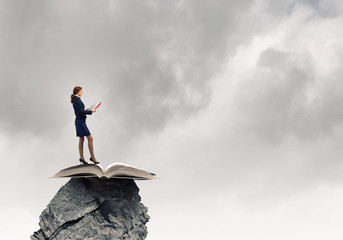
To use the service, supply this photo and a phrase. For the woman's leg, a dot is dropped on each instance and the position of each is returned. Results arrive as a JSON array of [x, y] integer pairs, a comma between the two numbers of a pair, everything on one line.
[[82, 139], [90, 146]]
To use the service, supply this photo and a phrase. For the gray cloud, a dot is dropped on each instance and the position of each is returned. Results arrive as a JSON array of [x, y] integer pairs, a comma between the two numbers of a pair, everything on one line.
[[282, 9], [153, 60], [276, 103]]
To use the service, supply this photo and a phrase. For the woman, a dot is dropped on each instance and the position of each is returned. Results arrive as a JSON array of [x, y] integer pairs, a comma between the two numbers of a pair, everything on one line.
[[80, 124]]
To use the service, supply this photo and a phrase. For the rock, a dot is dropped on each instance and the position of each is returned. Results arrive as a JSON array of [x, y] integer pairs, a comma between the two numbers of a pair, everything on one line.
[[93, 208]]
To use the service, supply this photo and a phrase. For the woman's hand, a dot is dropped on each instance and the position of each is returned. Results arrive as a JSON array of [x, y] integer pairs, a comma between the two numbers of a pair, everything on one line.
[[94, 110]]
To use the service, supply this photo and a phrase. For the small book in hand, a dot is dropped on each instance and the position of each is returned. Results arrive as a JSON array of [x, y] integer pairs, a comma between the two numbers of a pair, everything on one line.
[[94, 106]]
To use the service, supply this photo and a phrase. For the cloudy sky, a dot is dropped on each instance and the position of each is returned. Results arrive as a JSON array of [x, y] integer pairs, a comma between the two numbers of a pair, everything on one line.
[[236, 105]]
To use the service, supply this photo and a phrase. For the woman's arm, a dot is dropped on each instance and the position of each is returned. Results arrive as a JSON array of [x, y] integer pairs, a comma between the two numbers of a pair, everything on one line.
[[80, 107]]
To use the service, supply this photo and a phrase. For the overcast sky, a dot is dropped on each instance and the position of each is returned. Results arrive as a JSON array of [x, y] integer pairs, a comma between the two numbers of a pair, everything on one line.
[[236, 105]]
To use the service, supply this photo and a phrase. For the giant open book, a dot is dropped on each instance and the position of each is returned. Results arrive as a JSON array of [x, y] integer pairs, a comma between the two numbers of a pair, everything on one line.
[[115, 170]]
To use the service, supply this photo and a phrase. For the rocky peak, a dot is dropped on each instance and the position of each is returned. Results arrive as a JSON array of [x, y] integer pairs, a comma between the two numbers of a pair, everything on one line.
[[94, 208]]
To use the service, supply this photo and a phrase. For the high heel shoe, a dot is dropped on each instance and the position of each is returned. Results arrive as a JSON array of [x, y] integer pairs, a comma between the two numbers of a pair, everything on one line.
[[94, 161], [83, 161]]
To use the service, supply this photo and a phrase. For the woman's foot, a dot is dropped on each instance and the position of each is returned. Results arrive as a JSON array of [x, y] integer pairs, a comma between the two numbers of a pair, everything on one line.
[[95, 162], [83, 161]]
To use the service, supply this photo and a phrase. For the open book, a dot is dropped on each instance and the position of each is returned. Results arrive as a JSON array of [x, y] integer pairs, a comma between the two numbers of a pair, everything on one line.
[[94, 106], [114, 170]]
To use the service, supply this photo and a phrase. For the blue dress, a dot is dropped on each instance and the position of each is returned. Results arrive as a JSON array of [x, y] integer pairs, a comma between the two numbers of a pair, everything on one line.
[[80, 120]]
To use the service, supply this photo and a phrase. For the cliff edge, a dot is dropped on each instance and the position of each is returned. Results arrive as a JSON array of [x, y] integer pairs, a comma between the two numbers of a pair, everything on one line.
[[94, 208]]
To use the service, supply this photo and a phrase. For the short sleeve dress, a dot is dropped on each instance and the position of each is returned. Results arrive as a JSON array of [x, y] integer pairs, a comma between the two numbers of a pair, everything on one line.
[[80, 117]]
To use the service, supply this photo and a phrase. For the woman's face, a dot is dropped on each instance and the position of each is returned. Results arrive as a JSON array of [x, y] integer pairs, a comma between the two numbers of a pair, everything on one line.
[[80, 93]]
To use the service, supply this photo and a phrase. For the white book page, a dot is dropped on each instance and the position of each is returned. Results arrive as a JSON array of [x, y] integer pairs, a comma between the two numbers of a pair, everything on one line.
[[91, 107], [125, 170], [81, 170]]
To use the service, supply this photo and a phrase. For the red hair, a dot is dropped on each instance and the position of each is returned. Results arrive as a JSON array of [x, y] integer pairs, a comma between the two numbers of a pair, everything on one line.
[[75, 90]]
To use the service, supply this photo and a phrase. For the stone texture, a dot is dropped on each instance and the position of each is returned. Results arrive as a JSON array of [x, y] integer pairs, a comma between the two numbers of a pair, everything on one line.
[[93, 208]]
